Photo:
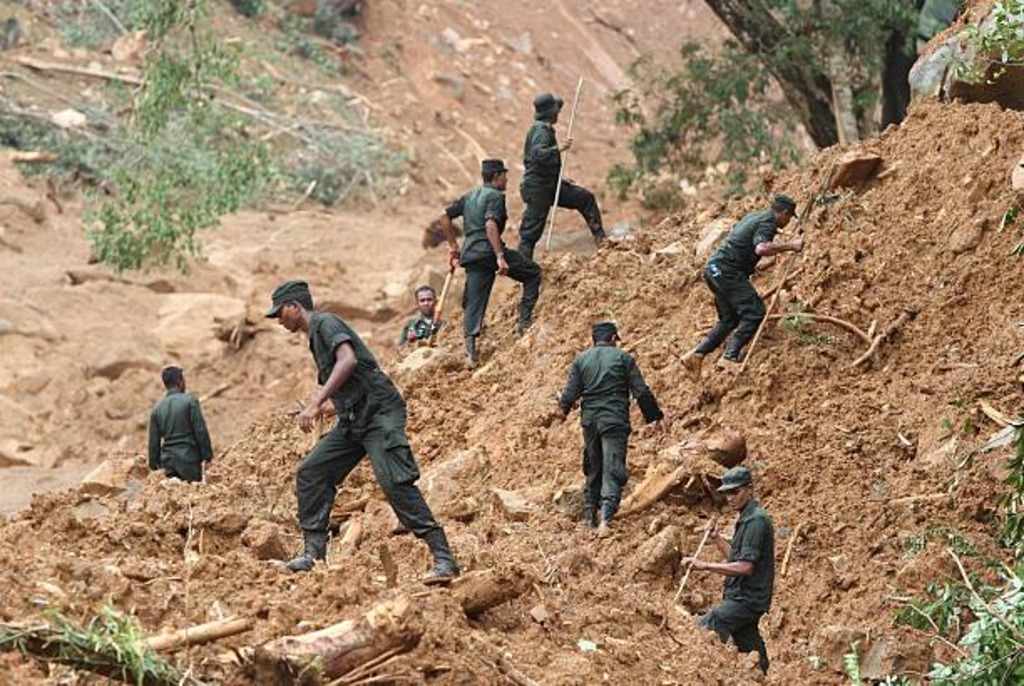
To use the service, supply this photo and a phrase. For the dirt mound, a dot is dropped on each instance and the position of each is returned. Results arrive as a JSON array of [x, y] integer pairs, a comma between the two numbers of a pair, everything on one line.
[[856, 462]]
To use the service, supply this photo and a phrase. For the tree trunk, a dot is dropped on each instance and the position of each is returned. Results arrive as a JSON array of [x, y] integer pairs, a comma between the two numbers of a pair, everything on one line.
[[392, 626], [806, 87], [478, 592]]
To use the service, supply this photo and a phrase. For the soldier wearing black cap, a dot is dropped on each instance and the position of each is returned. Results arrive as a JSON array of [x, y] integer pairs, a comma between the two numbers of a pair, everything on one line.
[[750, 570], [727, 274], [179, 442], [484, 255], [605, 376], [542, 157], [371, 421]]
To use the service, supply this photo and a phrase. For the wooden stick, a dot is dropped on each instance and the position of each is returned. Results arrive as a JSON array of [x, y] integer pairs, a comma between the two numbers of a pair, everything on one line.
[[789, 548], [995, 415], [795, 273], [689, 568], [904, 317], [841, 323], [991, 610], [918, 498], [561, 169], [201, 633], [436, 324]]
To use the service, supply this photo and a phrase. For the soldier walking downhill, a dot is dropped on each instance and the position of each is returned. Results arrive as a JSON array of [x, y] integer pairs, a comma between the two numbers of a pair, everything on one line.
[[727, 274], [605, 376], [542, 157], [484, 255], [179, 442], [371, 421]]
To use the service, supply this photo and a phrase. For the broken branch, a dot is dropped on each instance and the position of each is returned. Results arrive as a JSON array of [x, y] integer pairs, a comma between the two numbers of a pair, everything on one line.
[[200, 634], [824, 318], [789, 548], [904, 317]]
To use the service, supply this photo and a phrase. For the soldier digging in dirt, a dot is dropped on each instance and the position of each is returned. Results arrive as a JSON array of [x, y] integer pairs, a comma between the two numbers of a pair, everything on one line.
[[749, 572], [542, 157], [178, 440], [484, 256], [420, 327], [371, 421], [605, 376], [727, 274]]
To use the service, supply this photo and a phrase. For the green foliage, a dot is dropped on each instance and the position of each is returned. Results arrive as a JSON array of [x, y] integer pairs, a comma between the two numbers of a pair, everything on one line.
[[86, 25], [938, 611], [851, 665], [110, 643], [298, 41], [1012, 501], [996, 44], [187, 164], [717, 102], [250, 8], [79, 158]]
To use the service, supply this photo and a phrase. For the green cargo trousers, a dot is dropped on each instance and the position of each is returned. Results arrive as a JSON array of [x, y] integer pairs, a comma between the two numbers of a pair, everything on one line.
[[732, 619], [383, 439], [739, 308], [604, 468], [186, 470], [480, 275]]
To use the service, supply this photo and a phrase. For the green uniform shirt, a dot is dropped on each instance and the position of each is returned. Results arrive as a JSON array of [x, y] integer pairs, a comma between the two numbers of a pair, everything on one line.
[[177, 430], [736, 253], [605, 376], [421, 326], [753, 541], [369, 389], [476, 207], [541, 158]]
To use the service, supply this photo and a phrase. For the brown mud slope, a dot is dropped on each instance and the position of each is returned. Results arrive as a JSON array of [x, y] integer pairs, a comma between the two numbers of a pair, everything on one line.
[[837, 451]]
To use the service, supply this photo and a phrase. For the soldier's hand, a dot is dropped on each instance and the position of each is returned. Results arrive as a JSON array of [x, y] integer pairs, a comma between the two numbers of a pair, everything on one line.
[[566, 145], [502, 266], [307, 418], [693, 562], [798, 244], [453, 258]]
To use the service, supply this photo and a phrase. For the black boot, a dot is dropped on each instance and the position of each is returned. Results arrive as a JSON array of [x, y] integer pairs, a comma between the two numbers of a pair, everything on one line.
[[315, 549], [598, 235], [445, 569], [590, 517], [733, 351], [607, 514], [471, 358]]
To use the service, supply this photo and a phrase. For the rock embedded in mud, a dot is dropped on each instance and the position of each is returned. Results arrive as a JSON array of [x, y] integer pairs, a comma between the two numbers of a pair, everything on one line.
[[515, 506], [658, 557], [855, 168], [265, 540]]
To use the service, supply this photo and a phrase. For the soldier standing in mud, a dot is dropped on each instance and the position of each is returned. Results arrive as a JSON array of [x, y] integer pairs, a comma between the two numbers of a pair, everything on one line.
[[420, 327], [179, 442], [727, 274], [542, 158], [605, 376], [749, 571], [484, 256], [371, 421]]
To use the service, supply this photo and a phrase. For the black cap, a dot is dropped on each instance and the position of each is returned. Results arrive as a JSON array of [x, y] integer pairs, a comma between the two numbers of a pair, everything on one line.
[[737, 477], [287, 292], [784, 203], [492, 166], [604, 331], [546, 106]]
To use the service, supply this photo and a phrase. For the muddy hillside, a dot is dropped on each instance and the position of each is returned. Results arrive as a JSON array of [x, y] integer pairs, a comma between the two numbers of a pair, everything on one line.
[[859, 458]]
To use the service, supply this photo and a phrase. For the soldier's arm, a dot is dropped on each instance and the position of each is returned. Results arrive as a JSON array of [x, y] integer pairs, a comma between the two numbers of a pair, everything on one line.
[[200, 431], [544, 147], [403, 339], [154, 441], [644, 397], [573, 389], [748, 556], [344, 366], [451, 212], [765, 245]]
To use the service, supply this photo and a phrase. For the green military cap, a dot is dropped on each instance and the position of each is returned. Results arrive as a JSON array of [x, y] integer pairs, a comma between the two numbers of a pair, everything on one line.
[[784, 203], [604, 331], [737, 477], [492, 166], [287, 292], [546, 105]]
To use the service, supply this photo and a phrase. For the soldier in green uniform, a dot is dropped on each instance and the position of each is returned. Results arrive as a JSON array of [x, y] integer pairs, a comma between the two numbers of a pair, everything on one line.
[[727, 274], [605, 376], [749, 572], [542, 157], [484, 255], [371, 421], [420, 327], [178, 440]]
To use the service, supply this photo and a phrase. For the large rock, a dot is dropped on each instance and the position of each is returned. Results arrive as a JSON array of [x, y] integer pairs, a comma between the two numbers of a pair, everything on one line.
[[265, 540], [710, 236], [515, 506], [658, 557], [855, 168], [422, 358], [189, 320], [110, 477]]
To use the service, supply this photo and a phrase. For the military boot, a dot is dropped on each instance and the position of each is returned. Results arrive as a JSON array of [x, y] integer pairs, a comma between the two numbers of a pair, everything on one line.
[[607, 514], [599, 236], [589, 517], [445, 569], [733, 352], [315, 548], [691, 364], [471, 357]]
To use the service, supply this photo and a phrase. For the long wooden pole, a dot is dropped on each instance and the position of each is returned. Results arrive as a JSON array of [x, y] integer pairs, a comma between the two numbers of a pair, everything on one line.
[[561, 169], [436, 324], [686, 577], [201, 633]]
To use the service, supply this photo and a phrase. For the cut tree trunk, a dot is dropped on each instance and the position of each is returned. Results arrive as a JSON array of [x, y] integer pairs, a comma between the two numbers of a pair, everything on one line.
[[480, 591], [201, 633], [393, 626]]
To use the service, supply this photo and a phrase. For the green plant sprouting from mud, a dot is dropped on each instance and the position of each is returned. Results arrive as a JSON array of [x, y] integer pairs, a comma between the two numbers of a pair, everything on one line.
[[110, 644], [997, 44]]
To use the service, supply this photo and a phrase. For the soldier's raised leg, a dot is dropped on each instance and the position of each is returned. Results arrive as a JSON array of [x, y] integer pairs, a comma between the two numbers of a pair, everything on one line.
[[528, 273]]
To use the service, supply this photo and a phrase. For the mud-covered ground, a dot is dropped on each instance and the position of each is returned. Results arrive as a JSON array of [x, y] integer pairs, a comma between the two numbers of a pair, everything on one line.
[[868, 462]]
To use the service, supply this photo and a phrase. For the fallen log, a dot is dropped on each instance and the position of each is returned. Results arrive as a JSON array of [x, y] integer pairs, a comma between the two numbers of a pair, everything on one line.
[[392, 627], [200, 634], [480, 591]]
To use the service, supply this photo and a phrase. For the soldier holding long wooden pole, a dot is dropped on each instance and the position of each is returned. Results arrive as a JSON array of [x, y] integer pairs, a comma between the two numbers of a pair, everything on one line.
[[543, 184]]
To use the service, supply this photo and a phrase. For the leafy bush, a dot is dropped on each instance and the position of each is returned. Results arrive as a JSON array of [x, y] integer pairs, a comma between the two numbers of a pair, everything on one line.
[[1012, 501], [996, 44]]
